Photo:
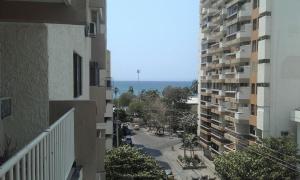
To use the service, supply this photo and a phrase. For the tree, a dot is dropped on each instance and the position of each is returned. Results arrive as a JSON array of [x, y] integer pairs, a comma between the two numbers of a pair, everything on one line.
[[136, 107], [125, 99], [194, 87], [131, 90], [126, 161], [121, 113], [275, 158], [176, 97]]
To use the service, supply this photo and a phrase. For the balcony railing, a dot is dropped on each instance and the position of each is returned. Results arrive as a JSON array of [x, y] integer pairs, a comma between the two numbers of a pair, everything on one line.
[[49, 156]]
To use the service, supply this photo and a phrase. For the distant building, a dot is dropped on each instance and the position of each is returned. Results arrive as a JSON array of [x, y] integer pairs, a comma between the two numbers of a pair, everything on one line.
[[249, 76], [193, 101], [55, 113]]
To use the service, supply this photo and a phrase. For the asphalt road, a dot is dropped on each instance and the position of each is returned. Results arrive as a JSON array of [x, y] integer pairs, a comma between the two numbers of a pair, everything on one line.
[[154, 145], [160, 147]]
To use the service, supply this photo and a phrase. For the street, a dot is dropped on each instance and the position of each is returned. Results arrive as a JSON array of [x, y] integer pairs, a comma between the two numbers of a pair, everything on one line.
[[161, 149]]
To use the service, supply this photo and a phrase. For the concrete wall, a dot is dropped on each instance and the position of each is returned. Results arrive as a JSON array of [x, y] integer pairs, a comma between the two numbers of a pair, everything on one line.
[[63, 40], [24, 71], [284, 66], [45, 12]]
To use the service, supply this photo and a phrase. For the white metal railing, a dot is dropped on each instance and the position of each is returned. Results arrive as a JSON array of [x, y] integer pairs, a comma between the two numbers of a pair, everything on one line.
[[48, 157]]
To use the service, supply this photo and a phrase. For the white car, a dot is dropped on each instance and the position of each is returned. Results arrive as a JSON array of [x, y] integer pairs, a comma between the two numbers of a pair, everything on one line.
[[136, 127]]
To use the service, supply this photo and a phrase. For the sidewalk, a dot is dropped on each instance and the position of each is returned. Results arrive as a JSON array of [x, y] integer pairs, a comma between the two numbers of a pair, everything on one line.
[[179, 173]]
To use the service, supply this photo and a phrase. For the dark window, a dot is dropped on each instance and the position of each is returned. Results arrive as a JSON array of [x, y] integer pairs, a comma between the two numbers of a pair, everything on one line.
[[253, 109], [94, 74], [108, 83], [254, 46], [253, 89], [284, 133], [233, 9], [77, 68], [255, 4], [252, 130], [254, 24], [5, 105]]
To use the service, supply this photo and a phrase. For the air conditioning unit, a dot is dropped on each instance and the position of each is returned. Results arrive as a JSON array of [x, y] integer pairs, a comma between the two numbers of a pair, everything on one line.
[[5, 107], [91, 30]]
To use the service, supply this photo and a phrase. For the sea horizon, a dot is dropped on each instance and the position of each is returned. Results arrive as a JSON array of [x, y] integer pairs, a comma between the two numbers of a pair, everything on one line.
[[138, 86]]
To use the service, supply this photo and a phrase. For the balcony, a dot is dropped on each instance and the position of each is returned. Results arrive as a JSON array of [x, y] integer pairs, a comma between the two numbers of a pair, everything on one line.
[[243, 73], [109, 95], [109, 110], [244, 52], [218, 127], [229, 137], [245, 12], [238, 37], [97, 4], [51, 154], [216, 141], [230, 147]]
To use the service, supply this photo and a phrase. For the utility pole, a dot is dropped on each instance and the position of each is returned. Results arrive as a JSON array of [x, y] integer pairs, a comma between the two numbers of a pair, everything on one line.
[[138, 74], [116, 121]]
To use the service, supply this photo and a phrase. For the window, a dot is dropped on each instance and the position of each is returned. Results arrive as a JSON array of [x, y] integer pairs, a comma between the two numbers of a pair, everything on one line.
[[254, 46], [232, 29], [253, 109], [253, 89], [233, 9], [108, 83], [5, 106], [254, 24], [252, 130], [255, 4], [77, 69], [94, 74]]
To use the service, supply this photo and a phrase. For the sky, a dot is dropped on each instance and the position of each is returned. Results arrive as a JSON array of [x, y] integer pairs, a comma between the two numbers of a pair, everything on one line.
[[159, 37]]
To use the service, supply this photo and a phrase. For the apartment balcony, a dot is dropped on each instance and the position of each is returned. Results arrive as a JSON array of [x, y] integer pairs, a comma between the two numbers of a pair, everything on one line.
[[218, 127], [230, 147], [109, 94], [97, 4], [209, 11], [109, 110], [208, 26], [243, 73], [205, 104], [205, 3], [244, 52], [51, 154], [216, 141], [205, 119], [204, 142], [238, 37], [245, 12], [230, 137], [204, 131]]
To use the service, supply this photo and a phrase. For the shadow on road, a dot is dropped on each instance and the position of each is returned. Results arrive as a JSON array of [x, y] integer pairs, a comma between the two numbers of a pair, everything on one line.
[[149, 151], [164, 165]]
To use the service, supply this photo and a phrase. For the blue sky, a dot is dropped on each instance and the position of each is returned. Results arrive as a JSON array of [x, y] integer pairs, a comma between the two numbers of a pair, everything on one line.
[[160, 37]]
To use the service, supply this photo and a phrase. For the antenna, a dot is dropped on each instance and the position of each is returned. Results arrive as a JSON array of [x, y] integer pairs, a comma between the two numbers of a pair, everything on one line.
[[138, 71]]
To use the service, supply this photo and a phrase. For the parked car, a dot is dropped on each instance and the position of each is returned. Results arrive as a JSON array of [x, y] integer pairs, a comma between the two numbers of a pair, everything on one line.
[[128, 141], [136, 127], [169, 175]]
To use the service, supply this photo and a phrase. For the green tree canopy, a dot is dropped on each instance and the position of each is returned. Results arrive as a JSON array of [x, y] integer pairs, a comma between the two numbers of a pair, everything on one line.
[[275, 158], [125, 99], [126, 161], [176, 97]]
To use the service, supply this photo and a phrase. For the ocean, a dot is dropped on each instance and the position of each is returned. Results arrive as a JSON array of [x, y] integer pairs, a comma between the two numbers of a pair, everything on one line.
[[138, 86]]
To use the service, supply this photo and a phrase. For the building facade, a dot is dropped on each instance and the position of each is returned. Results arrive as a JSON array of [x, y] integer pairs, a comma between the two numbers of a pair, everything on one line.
[[249, 82], [53, 107]]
